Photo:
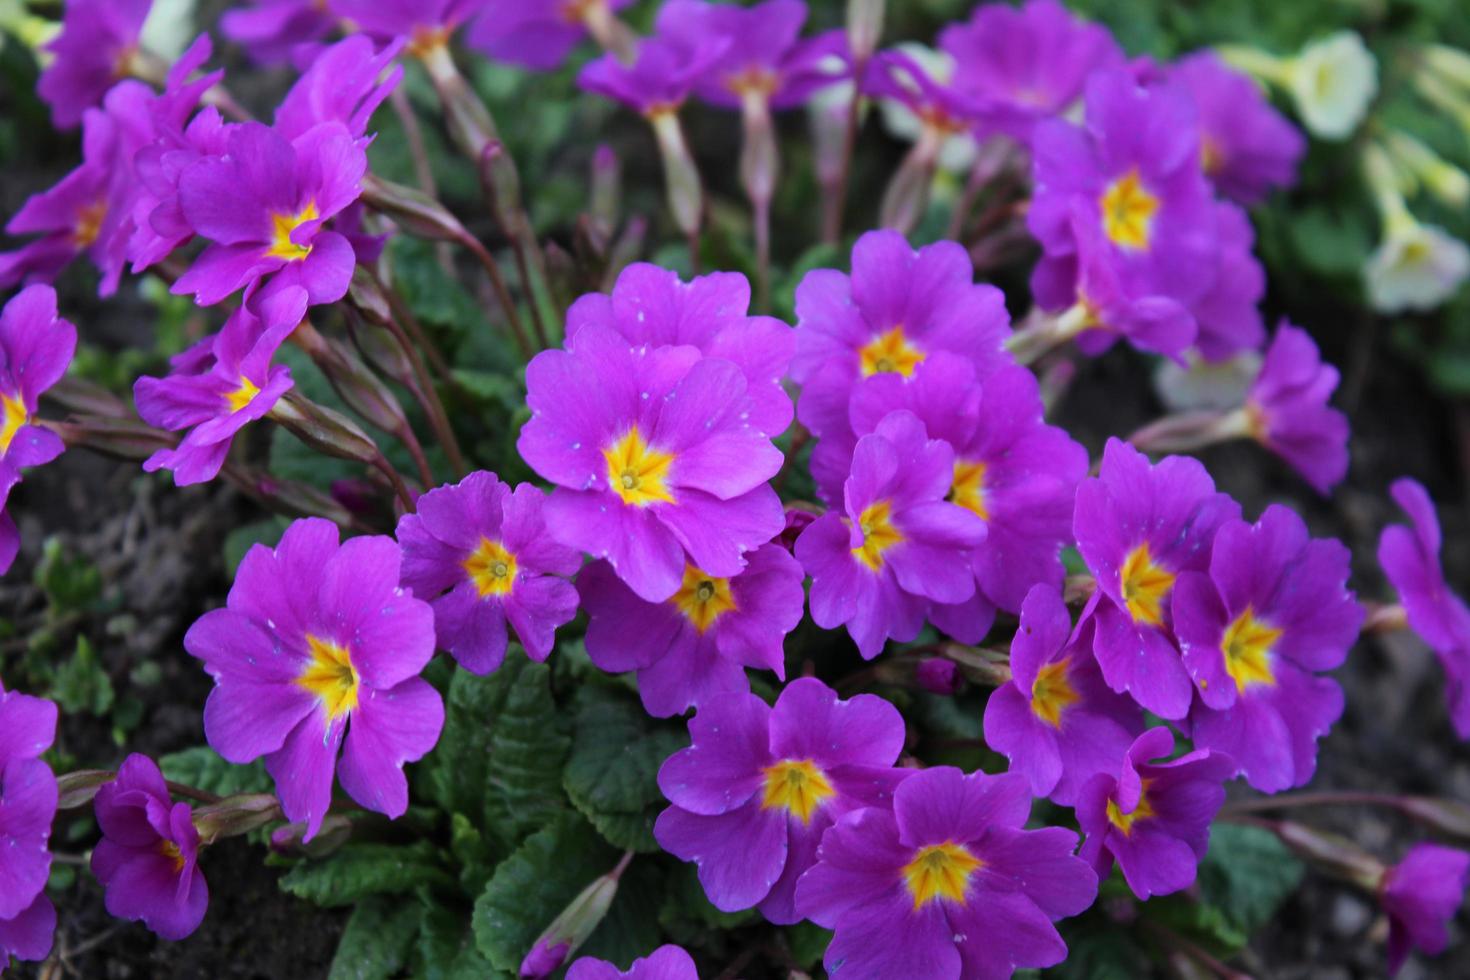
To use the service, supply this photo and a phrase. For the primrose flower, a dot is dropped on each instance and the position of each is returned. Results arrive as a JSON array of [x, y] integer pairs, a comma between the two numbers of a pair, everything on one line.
[[1287, 412], [427, 24], [1410, 559], [97, 47], [35, 348], [240, 386], [1272, 613], [1011, 470], [270, 31], [345, 84], [1421, 894], [1415, 267], [665, 963], [148, 858], [897, 544], [958, 147], [1027, 64], [937, 112], [1139, 527], [480, 554], [653, 455], [1131, 180], [1055, 719], [661, 78], [1247, 148], [947, 884], [765, 57], [28, 797], [759, 785], [263, 204], [1228, 315], [536, 34], [318, 641], [1332, 81], [651, 307], [696, 644], [1153, 818]]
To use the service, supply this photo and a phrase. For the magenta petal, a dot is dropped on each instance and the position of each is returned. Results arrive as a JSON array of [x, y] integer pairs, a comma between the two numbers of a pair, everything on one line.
[[28, 935], [303, 769], [388, 729], [810, 722], [724, 766], [740, 853], [889, 938], [943, 804]]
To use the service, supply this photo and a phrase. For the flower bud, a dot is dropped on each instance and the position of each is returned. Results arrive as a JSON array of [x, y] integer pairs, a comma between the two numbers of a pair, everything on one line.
[[323, 429], [686, 195], [864, 28], [411, 208], [289, 840], [235, 816], [75, 789], [607, 175], [939, 676], [1332, 854], [362, 390], [287, 496], [1449, 817], [577, 921]]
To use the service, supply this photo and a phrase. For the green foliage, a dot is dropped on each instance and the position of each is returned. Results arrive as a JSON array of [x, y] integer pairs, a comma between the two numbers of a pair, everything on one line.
[[377, 940], [202, 768], [527, 749], [82, 684], [360, 870]]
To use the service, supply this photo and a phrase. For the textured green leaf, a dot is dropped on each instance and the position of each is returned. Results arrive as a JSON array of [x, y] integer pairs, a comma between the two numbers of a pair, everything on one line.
[[612, 772], [377, 940], [361, 870], [446, 947], [808, 944], [457, 766], [202, 768], [527, 752], [1098, 949], [533, 885], [81, 684], [630, 929]]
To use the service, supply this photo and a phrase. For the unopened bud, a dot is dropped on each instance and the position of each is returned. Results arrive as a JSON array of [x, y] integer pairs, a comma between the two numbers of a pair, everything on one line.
[[1449, 817], [681, 176], [323, 429], [74, 789], [291, 841], [1332, 854], [607, 175], [368, 298], [864, 28], [287, 497], [577, 921], [236, 815], [412, 209], [362, 390], [939, 676]]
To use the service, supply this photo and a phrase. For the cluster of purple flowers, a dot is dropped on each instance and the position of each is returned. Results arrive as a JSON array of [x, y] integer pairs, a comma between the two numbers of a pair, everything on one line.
[[28, 798]]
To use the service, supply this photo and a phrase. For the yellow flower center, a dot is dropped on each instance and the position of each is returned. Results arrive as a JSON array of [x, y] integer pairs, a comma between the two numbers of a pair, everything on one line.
[[492, 568], [1212, 158], [1052, 693], [1247, 647], [1145, 586], [171, 851], [428, 39], [13, 415], [890, 351], [242, 395], [879, 534], [637, 472], [1125, 821], [940, 871], [968, 490], [703, 598], [89, 223], [330, 676], [1128, 211], [283, 225], [797, 786]]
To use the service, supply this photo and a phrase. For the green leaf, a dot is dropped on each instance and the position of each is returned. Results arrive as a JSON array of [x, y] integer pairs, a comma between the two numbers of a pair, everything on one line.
[[808, 944], [360, 870], [1098, 949], [377, 940], [534, 884], [447, 948], [202, 768], [81, 684], [612, 773], [267, 532], [456, 769], [527, 751], [630, 929]]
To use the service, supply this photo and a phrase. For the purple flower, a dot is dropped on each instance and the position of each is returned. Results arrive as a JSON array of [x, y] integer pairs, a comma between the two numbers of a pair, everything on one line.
[[263, 205], [651, 307], [1125, 191], [238, 387], [661, 78], [96, 49], [897, 544], [345, 84], [946, 885], [1247, 148], [897, 308], [427, 24], [940, 676], [1288, 411], [1139, 527], [1410, 559], [665, 963], [1153, 818], [270, 31], [1011, 470], [148, 858], [1056, 720], [696, 644], [654, 456], [1228, 315], [1421, 894], [536, 34], [481, 555], [764, 55], [28, 798], [757, 787], [35, 348], [1272, 612], [1026, 65], [318, 641], [943, 109]]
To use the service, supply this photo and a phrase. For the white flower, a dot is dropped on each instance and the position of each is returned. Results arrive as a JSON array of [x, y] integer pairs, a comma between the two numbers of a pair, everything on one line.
[[1206, 385], [957, 153], [1417, 267], [1332, 81]]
